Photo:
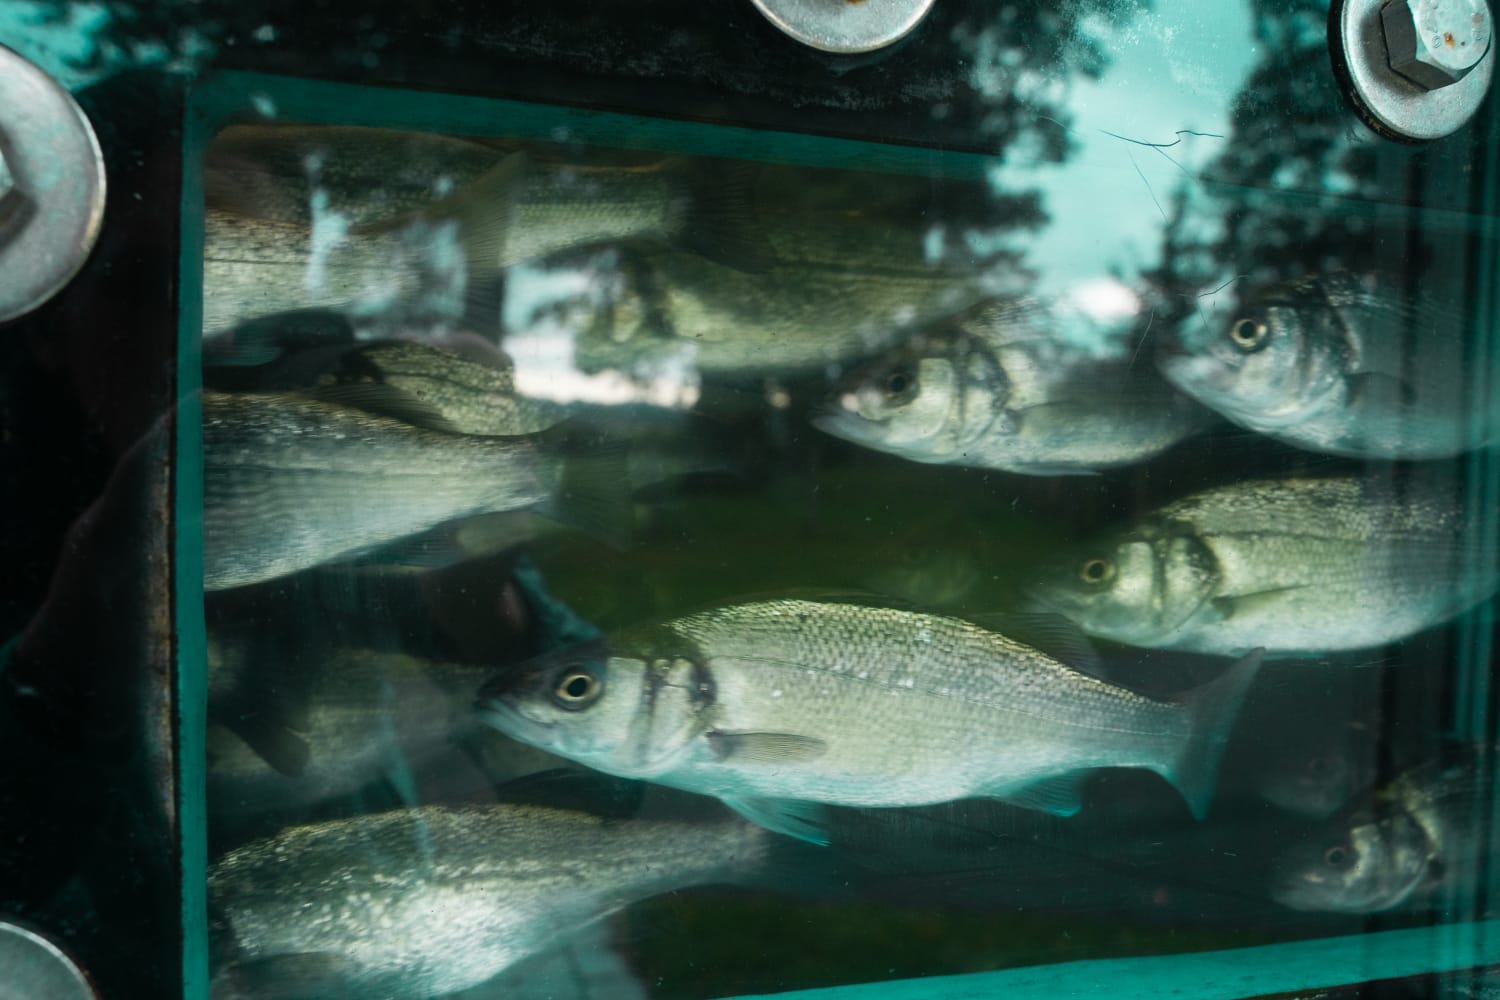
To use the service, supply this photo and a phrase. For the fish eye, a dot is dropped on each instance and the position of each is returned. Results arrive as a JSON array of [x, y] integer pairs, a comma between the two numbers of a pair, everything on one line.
[[1096, 571], [899, 384], [1248, 334], [1336, 856], [577, 687]]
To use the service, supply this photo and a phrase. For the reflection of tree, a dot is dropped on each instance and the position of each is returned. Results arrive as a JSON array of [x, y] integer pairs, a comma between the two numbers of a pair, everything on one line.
[[1021, 59], [1291, 191]]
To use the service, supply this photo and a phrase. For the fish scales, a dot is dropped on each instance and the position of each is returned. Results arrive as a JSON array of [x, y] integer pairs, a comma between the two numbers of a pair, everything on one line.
[[428, 901], [1292, 565], [1395, 845], [290, 482], [854, 705], [1006, 725], [1001, 388], [1346, 365]]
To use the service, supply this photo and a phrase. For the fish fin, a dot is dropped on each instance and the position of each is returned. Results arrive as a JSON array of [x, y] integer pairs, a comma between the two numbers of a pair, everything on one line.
[[793, 817], [276, 744], [1378, 388], [583, 965], [1060, 796], [765, 748], [265, 339], [1051, 633], [485, 211], [594, 493], [720, 223], [576, 789], [315, 975], [1232, 604], [1211, 710], [383, 401]]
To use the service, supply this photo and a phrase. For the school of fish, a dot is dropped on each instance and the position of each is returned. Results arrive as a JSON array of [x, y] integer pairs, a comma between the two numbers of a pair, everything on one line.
[[423, 367]]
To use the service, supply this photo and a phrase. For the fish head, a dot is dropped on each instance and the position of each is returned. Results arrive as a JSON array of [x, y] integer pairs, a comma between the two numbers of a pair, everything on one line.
[[1361, 862], [1275, 363], [1138, 586], [1317, 780], [622, 713], [927, 400]]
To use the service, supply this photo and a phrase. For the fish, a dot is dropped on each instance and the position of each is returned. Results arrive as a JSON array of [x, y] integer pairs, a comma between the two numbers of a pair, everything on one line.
[[1294, 565], [271, 170], [1342, 364], [457, 393], [427, 901], [778, 707], [1395, 845], [329, 718], [291, 482], [841, 282], [998, 389], [396, 230], [1317, 773]]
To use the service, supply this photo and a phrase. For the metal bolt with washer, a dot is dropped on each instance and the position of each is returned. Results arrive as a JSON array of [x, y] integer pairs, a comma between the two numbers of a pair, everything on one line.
[[51, 186], [1435, 43]]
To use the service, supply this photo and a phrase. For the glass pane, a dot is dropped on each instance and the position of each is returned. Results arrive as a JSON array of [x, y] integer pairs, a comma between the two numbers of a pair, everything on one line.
[[641, 573], [638, 507]]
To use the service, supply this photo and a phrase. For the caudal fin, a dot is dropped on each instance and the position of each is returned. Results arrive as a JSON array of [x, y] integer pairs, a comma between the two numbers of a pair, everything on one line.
[[1211, 713]]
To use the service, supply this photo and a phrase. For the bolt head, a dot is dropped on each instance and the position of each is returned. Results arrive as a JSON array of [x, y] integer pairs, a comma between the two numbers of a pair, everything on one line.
[[1435, 43]]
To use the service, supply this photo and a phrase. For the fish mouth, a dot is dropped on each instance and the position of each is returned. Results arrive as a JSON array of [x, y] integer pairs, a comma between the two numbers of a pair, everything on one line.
[[841, 422], [495, 712]]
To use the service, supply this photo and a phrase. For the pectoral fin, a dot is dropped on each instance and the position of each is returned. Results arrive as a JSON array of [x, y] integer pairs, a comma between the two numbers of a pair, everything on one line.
[[276, 744], [1247, 604], [765, 748]]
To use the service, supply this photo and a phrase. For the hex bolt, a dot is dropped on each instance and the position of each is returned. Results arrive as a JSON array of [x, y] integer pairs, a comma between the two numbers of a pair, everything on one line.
[[1435, 43]]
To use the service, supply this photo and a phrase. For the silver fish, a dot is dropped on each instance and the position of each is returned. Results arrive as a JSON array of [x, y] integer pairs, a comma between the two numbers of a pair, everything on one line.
[[777, 704], [292, 482], [474, 394], [1395, 845], [1342, 365], [413, 904], [328, 720], [999, 390], [1294, 565], [425, 260], [371, 175], [845, 277], [1316, 774]]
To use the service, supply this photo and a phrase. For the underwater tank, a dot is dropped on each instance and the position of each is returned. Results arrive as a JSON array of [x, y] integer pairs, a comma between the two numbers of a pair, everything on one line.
[[873, 500]]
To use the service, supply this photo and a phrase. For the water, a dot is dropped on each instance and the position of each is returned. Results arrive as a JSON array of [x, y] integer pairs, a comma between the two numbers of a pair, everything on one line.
[[512, 410], [690, 339]]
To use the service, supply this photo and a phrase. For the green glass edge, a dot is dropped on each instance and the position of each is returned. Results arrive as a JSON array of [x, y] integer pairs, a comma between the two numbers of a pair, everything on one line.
[[192, 635], [320, 101], [1210, 975]]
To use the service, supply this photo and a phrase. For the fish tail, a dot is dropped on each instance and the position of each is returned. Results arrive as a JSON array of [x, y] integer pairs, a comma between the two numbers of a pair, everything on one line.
[[483, 209], [485, 212], [1211, 711], [720, 223]]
